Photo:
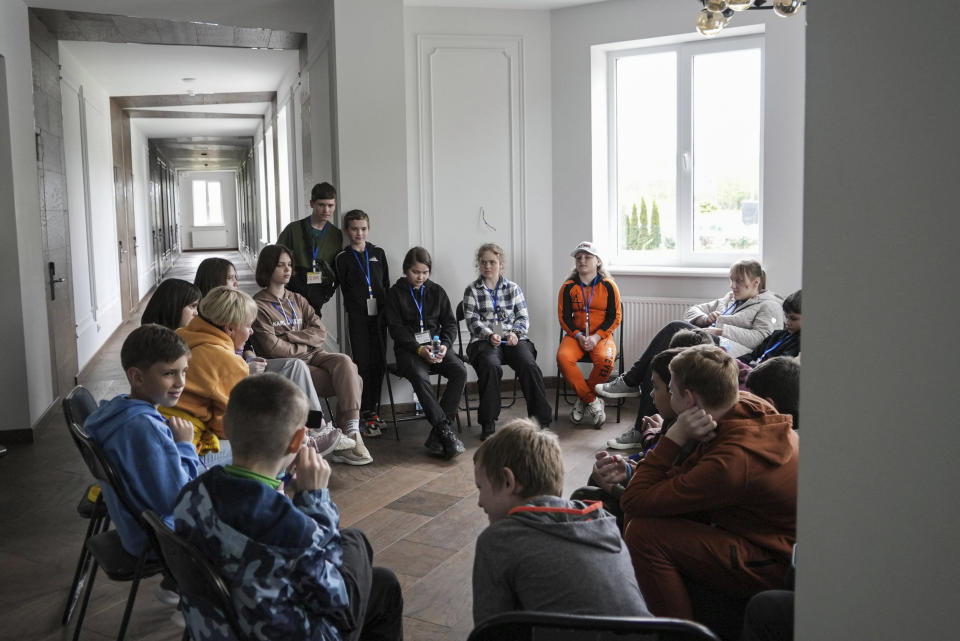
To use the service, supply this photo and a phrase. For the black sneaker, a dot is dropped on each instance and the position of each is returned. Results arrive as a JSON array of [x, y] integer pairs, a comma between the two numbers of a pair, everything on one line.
[[434, 444], [487, 430], [452, 445]]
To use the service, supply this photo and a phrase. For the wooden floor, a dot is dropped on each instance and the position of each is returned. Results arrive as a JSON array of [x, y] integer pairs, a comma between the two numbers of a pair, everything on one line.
[[419, 513]]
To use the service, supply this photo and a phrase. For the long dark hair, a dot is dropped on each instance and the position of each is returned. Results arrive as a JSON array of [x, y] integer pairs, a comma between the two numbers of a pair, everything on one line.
[[167, 303], [212, 272]]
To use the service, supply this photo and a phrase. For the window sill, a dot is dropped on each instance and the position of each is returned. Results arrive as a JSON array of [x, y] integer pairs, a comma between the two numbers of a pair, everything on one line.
[[669, 271]]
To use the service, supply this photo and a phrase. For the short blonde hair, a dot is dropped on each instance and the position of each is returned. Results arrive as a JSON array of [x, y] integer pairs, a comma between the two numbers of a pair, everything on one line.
[[493, 248], [532, 454], [709, 372], [224, 306]]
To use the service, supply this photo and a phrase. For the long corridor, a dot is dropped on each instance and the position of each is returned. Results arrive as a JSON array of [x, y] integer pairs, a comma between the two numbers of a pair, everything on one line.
[[420, 515]]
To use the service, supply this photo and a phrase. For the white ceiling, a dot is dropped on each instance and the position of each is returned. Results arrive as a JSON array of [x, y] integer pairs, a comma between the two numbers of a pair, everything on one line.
[[145, 70], [500, 4], [137, 70]]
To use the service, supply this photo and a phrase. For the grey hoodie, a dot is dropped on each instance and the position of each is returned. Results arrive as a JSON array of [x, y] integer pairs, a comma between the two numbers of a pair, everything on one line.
[[555, 555]]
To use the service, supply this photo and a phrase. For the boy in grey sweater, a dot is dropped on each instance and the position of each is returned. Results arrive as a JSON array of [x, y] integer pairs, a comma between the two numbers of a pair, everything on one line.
[[542, 552]]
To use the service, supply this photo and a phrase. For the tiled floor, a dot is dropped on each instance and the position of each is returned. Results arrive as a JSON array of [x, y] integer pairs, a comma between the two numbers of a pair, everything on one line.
[[420, 514]]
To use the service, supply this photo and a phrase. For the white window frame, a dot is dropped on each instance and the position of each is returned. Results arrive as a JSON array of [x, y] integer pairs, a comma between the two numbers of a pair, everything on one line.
[[206, 190], [684, 255]]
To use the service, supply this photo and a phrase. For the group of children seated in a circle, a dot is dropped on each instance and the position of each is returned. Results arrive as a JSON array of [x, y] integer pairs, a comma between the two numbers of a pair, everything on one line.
[[233, 384]]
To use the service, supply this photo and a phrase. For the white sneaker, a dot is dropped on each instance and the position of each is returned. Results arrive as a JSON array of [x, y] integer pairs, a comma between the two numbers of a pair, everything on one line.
[[576, 414], [358, 455], [617, 388], [596, 416], [329, 439]]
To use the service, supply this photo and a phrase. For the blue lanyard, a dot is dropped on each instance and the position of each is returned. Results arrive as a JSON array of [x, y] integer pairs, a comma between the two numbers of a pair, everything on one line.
[[366, 274], [776, 345], [316, 246], [293, 311], [495, 294], [593, 286], [732, 305], [420, 304]]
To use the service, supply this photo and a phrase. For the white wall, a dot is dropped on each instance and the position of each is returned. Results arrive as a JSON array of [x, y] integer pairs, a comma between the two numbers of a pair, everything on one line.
[[92, 208], [574, 31], [228, 195], [478, 135], [371, 152], [25, 346], [878, 522], [140, 163]]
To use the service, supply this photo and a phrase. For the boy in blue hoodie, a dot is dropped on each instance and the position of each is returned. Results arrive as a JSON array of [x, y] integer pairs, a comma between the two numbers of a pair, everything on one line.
[[153, 456], [542, 552], [292, 573]]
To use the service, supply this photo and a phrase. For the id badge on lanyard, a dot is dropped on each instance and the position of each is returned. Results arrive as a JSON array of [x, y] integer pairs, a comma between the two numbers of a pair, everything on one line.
[[371, 300], [315, 277]]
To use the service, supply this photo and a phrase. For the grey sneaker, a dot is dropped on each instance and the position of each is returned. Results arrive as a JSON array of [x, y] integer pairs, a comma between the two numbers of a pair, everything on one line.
[[329, 439], [596, 415], [576, 414], [632, 439], [616, 388]]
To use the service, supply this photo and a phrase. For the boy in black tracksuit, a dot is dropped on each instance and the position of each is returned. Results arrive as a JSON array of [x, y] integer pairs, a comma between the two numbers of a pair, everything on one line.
[[364, 278]]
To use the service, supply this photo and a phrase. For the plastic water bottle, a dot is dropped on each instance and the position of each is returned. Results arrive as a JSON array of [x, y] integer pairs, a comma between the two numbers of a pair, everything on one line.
[[416, 404], [435, 346]]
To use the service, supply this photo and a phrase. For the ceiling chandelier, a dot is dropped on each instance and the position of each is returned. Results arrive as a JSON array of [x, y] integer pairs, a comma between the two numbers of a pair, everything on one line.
[[717, 13]]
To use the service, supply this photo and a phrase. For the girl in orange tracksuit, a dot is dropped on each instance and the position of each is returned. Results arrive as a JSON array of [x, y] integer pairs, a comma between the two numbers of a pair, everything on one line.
[[589, 310]]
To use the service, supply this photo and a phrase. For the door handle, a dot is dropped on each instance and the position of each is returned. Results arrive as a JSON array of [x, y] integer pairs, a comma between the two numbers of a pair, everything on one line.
[[54, 279]]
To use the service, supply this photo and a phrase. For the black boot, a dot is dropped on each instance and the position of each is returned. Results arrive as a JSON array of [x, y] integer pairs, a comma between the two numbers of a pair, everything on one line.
[[452, 445], [487, 430], [433, 443]]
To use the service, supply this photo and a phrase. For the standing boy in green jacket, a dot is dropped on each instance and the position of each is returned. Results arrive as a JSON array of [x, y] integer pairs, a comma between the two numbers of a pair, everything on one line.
[[315, 242]]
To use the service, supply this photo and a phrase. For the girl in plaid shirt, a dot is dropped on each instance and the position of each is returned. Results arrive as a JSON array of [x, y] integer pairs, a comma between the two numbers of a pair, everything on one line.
[[496, 315]]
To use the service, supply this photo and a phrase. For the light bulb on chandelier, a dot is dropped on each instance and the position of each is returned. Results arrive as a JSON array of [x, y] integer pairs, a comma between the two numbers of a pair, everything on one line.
[[716, 14]]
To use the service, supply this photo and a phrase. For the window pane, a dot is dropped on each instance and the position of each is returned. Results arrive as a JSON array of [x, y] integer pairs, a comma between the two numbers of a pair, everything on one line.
[[262, 189], [199, 202], [726, 151], [646, 144], [283, 160], [214, 207], [271, 185]]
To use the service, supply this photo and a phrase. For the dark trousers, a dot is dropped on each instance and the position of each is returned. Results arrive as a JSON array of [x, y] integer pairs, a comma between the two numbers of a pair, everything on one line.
[[376, 603], [769, 617], [488, 361], [367, 339], [640, 374], [418, 371]]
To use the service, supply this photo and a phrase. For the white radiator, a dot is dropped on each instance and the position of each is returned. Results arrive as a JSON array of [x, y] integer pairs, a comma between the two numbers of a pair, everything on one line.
[[643, 317], [208, 239]]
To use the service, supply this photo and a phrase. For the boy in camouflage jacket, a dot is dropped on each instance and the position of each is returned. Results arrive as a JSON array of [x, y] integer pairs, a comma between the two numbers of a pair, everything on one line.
[[292, 573]]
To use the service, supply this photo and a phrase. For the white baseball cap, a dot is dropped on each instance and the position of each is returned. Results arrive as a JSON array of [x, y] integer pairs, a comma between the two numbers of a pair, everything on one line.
[[588, 247]]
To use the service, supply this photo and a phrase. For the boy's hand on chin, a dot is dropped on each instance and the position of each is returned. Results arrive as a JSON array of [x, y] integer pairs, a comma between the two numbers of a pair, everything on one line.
[[692, 423]]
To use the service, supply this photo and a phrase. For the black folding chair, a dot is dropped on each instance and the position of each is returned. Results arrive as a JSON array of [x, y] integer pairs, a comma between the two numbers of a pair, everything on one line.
[[548, 626], [77, 406], [397, 416], [570, 397], [105, 547], [504, 403], [201, 586]]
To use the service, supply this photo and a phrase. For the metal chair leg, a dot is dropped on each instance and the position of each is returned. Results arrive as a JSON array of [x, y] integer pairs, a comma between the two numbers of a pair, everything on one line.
[[86, 599], [132, 596], [83, 567]]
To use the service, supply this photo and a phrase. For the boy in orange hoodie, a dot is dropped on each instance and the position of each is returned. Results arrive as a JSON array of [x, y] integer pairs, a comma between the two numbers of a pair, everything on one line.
[[716, 501]]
